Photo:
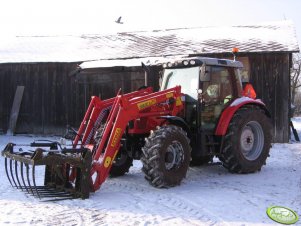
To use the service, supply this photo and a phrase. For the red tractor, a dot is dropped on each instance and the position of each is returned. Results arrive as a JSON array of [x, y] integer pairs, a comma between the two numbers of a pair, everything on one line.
[[201, 111]]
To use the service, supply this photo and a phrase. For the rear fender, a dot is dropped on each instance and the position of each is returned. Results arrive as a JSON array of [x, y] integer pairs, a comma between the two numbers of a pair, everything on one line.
[[228, 113]]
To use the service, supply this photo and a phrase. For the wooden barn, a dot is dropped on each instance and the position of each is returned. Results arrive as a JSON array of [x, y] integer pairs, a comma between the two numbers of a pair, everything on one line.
[[55, 96]]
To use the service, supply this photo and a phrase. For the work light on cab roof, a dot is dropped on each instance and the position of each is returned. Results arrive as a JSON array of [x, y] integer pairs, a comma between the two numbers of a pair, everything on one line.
[[235, 50]]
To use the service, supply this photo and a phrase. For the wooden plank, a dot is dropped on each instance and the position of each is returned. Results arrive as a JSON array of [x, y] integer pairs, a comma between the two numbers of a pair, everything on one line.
[[15, 110], [294, 131]]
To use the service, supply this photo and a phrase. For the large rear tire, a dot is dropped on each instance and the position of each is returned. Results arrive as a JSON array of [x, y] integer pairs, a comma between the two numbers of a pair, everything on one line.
[[247, 142], [166, 156]]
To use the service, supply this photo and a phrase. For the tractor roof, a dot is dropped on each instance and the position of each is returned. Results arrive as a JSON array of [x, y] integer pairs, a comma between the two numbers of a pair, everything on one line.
[[161, 61], [197, 61]]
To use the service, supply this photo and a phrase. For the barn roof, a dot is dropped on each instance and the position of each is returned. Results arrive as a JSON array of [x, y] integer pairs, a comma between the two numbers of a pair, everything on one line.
[[272, 37]]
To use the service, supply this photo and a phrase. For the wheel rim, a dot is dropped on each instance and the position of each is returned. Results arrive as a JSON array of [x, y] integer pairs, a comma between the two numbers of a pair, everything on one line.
[[252, 140], [174, 155]]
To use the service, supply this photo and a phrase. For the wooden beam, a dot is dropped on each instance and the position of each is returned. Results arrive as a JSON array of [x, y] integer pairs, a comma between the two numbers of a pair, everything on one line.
[[15, 110]]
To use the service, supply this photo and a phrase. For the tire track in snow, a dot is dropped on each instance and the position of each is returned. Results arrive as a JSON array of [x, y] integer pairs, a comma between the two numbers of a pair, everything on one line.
[[37, 213], [73, 214], [170, 204], [64, 216]]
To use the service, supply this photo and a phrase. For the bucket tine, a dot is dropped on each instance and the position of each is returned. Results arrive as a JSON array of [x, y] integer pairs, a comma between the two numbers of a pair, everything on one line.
[[28, 180], [57, 184], [34, 181], [7, 174], [17, 175], [11, 172], [22, 177]]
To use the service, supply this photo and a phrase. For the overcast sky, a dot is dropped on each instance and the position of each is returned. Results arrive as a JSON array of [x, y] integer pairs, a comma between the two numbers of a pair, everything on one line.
[[57, 17]]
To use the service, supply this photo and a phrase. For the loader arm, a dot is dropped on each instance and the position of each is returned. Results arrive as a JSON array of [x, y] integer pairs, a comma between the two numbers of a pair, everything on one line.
[[96, 113], [123, 109]]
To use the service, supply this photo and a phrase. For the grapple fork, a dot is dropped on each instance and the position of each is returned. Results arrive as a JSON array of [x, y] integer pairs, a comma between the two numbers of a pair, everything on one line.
[[20, 167]]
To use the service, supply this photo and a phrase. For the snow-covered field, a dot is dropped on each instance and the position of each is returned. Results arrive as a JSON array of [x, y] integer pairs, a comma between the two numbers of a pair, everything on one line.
[[208, 196]]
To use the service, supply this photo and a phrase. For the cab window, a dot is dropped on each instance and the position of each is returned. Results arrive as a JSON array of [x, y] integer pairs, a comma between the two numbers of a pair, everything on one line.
[[187, 78], [219, 89], [216, 94]]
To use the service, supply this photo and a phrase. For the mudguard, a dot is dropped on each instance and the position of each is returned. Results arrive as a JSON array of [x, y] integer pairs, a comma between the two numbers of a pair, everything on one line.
[[228, 113], [177, 121]]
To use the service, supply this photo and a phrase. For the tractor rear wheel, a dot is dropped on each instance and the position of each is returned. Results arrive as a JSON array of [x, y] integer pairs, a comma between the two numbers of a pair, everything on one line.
[[166, 156], [247, 141]]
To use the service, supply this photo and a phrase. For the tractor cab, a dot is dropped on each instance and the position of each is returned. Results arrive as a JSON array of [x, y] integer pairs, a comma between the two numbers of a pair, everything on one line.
[[209, 85]]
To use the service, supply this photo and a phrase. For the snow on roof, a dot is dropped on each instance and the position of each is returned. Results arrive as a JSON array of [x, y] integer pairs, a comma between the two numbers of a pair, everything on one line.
[[272, 37], [121, 62], [155, 61]]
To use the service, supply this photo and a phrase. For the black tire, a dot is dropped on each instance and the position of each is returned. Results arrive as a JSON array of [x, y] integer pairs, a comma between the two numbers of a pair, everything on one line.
[[247, 141], [121, 164], [199, 161], [166, 156]]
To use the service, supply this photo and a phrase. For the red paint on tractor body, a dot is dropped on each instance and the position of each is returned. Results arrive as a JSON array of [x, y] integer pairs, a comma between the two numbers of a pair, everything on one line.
[[143, 108]]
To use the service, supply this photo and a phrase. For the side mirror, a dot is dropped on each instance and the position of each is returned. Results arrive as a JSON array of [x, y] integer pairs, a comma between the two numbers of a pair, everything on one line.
[[204, 74]]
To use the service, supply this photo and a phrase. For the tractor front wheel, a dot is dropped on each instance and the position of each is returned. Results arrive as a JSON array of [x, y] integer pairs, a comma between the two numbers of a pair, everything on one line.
[[247, 142], [121, 164], [122, 161], [166, 156]]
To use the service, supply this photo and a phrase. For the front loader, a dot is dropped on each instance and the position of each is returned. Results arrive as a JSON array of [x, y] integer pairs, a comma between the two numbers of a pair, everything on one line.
[[74, 172], [200, 111]]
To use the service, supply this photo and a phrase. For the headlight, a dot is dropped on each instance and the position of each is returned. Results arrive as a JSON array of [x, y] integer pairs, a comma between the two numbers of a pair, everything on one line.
[[185, 62], [192, 62]]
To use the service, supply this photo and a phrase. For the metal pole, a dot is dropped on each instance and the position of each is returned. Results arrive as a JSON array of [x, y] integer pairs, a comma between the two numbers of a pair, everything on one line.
[[145, 78]]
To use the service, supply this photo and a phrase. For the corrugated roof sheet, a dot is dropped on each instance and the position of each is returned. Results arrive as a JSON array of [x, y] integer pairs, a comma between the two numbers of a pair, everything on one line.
[[272, 37]]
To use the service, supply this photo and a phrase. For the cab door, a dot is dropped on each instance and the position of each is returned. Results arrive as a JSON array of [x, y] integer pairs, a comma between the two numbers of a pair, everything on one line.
[[217, 91]]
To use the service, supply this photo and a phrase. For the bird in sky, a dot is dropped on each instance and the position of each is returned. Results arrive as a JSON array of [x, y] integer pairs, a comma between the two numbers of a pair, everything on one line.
[[118, 21]]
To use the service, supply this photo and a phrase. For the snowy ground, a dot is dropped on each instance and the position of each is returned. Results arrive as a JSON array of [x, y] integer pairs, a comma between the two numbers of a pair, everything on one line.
[[208, 196]]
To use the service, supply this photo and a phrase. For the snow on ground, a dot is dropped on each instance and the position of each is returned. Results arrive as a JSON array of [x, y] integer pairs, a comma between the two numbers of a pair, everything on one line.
[[208, 196]]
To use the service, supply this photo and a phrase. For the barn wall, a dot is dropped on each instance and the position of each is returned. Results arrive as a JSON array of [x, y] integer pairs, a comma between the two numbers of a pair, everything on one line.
[[270, 74], [49, 95], [52, 98]]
